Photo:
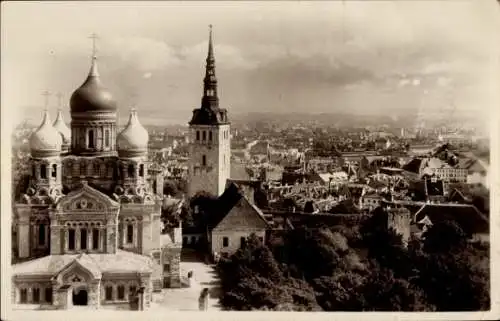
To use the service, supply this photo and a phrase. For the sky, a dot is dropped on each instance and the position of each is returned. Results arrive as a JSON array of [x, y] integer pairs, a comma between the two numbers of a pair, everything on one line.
[[361, 57]]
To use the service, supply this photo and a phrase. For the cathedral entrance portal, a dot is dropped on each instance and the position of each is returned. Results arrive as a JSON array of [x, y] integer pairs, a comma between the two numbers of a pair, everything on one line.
[[80, 296]]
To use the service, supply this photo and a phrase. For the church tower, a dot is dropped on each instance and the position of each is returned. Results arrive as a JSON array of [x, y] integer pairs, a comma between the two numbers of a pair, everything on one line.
[[93, 117], [210, 150]]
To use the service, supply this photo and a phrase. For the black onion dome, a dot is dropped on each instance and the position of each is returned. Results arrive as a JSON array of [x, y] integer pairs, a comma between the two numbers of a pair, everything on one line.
[[92, 95]]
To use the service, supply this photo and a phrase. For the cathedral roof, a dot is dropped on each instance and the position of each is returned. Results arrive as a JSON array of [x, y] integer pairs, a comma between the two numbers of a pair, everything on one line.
[[61, 126], [45, 140], [133, 139], [92, 95], [96, 263]]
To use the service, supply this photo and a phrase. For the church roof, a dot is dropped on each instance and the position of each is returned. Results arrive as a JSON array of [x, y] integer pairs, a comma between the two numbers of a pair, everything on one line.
[[92, 96], [133, 139], [45, 140], [97, 263], [62, 128]]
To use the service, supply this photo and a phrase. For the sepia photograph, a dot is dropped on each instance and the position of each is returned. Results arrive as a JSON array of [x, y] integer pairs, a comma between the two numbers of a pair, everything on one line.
[[264, 156]]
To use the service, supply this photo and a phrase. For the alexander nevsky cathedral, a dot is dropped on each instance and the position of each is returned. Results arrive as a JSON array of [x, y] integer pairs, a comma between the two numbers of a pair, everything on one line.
[[88, 229]]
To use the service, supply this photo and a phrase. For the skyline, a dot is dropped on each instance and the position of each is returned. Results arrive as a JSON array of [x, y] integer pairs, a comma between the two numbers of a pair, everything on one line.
[[323, 57]]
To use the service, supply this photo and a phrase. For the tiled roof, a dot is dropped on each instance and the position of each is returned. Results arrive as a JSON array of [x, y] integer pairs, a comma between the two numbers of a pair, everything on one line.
[[122, 261], [467, 217]]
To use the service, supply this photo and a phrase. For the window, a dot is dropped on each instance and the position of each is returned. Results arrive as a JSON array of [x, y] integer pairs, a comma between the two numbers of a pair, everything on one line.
[[24, 296], [41, 234], [132, 289], [83, 239], [261, 239], [43, 171], [185, 240], [34, 171], [210, 135], [130, 233], [166, 268], [48, 295], [83, 170], [91, 139], [154, 186], [121, 292], [193, 239], [197, 135], [95, 238], [131, 170], [71, 239], [36, 295], [225, 241], [109, 293], [54, 170], [96, 168], [141, 170], [243, 242], [106, 138], [204, 160]]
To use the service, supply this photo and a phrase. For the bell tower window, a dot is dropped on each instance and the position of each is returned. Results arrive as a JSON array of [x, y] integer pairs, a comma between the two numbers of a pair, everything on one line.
[[91, 139], [210, 135], [204, 135], [43, 171], [54, 170], [197, 135], [83, 239], [204, 160], [141, 170]]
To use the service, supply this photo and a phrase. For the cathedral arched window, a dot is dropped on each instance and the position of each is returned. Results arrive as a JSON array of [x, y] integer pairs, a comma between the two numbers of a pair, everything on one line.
[[130, 233], [43, 171], [204, 160], [71, 239], [131, 170], [54, 170], [204, 135], [197, 135], [41, 234], [106, 138], [91, 139], [141, 170], [210, 135]]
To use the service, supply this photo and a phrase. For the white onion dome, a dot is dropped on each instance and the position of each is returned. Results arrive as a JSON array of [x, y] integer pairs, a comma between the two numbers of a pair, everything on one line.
[[46, 140], [133, 139], [62, 128]]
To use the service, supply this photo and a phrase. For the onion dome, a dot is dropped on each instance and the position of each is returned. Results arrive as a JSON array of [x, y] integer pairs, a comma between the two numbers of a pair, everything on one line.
[[62, 128], [133, 140], [46, 140], [92, 96]]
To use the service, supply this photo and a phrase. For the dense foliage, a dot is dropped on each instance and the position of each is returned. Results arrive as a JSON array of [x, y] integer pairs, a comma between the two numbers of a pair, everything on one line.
[[338, 269]]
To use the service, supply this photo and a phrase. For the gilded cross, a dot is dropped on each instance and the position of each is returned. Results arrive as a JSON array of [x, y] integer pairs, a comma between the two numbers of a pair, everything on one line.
[[94, 37], [59, 99], [47, 95]]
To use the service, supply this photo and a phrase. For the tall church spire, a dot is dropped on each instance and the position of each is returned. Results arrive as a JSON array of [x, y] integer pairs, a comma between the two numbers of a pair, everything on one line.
[[210, 99]]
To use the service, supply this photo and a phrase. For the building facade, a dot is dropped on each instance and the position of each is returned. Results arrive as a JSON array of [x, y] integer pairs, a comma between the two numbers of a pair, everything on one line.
[[210, 141], [88, 226]]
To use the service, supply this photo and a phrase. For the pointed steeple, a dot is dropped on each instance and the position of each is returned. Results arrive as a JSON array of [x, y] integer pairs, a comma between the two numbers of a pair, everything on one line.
[[210, 99]]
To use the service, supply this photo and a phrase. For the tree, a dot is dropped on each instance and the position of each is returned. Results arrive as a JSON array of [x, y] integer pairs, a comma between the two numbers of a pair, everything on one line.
[[443, 237]]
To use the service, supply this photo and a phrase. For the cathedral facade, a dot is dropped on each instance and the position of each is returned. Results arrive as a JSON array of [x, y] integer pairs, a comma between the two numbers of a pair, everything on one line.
[[88, 227]]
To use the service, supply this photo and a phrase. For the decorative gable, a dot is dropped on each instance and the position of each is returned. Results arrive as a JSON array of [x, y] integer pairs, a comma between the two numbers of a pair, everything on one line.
[[243, 216], [86, 199]]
